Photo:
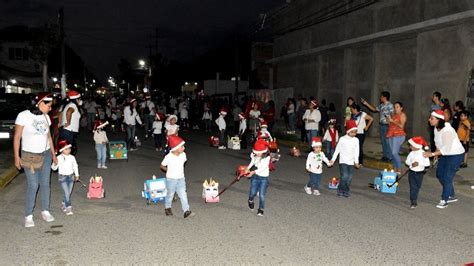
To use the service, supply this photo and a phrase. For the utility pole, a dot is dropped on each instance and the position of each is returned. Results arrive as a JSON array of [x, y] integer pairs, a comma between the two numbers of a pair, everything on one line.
[[63, 51]]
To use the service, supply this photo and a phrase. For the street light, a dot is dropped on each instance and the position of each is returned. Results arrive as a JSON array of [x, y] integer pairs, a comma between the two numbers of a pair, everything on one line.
[[141, 62], [55, 79], [13, 81]]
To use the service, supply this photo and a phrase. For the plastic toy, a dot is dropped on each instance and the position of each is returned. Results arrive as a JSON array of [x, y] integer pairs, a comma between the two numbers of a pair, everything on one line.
[[96, 190], [295, 152], [210, 191], [233, 143], [386, 182], [118, 150], [213, 141], [154, 190], [334, 183]]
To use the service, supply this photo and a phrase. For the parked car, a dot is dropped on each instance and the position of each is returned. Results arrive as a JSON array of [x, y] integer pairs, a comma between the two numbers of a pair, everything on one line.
[[10, 105]]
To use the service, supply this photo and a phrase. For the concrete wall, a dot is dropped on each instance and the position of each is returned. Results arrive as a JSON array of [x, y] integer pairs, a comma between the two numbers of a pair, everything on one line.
[[411, 65]]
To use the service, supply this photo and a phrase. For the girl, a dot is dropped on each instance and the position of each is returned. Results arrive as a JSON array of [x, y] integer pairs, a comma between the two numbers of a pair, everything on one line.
[[157, 128], [314, 165], [207, 118], [331, 137], [363, 122], [221, 124], [396, 134], [68, 173], [101, 140], [131, 118]]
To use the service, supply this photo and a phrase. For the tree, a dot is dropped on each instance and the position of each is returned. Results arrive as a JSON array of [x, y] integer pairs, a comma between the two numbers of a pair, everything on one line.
[[44, 40]]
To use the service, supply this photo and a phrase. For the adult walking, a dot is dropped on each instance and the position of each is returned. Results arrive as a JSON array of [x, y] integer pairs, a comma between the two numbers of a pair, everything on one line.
[[71, 117], [385, 109], [451, 154], [131, 118], [91, 107], [148, 113], [396, 134], [37, 153], [363, 122], [311, 119]]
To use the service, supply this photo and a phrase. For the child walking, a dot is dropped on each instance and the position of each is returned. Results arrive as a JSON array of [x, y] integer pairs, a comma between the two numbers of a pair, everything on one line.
[[417, 163], [331, 137], [207, 118], [68, 173], [173, 165], [464, 131], [221, 124], [260, 160], [348, 148], [101, 140], [157, 129], [314, 165], [243, 131]]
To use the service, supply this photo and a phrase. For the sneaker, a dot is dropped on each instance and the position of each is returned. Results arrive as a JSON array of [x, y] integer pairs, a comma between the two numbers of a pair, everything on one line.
[[316, 192], [442, 204], [133, 149], [156, 149], [99, 166], [260, 212], [29, 221], [104, 167], [251, 205], [222, 148], [63, 206], [412, 206], [463, 165], [307, 190], [47, 217], [452, 199], [168, 212], [188, 214], [69, 210], [146, 136]]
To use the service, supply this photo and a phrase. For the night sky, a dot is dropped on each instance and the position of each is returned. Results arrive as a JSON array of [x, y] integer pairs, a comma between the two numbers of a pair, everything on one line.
[[103, 31]]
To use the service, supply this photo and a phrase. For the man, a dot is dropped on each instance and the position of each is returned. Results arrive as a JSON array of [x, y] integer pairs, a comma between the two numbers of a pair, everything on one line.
[[386, 110], [148, 112]]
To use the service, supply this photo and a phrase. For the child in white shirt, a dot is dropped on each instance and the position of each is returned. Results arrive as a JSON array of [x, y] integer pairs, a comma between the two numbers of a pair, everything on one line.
[[157, 128], [417, 163], [68, 173], [101, 140], [221, 124], [331, 137], [314, 165], [243, 131], [207, 118]]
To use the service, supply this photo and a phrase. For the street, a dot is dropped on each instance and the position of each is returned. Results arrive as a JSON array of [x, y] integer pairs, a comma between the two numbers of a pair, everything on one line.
[[367, 228]]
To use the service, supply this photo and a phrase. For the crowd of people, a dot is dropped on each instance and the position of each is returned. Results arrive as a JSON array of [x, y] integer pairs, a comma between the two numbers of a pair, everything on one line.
[[164, 116]]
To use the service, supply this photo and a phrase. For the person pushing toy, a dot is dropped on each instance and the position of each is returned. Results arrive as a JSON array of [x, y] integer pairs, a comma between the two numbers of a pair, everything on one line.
[[68, 173]]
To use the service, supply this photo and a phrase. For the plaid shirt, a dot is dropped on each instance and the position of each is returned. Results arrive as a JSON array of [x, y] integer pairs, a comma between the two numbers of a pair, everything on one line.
[[385, 109]]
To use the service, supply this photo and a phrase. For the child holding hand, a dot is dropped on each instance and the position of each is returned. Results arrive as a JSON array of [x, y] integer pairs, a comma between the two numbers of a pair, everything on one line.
[[417, 163], [314, 165], [68, 173]]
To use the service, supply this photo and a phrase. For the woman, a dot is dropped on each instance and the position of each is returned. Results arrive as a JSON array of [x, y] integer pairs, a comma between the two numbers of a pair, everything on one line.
[[299, 121], [347, 111], [254, 116], [458, 108], [311, 119], [444, 103], [37, 152], [396, 134], [363, 122], [290, 111], [130, 119], [451, 154], [71, 117]]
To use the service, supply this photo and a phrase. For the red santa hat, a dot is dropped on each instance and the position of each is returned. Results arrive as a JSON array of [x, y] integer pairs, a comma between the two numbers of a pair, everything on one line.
[[63, 144], [260, 146], [350, 125], [438, 114], [160, 116], [147, 96], [133, 100], [242, 115], [72, 94], [43, 97], [175, 142], [223, 111], [100, 124], [316, 141], [263, 123], [315, 103], [332, 121], [418, 142]]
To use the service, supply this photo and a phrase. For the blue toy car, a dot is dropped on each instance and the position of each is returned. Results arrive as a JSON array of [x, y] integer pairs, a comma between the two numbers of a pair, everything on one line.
[[386, 182], [154, 190]]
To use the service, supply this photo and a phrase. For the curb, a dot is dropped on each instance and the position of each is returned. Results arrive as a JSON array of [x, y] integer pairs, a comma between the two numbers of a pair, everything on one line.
[[9, 175]]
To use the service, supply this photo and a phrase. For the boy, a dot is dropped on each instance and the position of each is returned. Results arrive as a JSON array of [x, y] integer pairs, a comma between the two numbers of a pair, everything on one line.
[[220, 121], [173, 165], [464, 131], [314, 165], [348, 147], [417, 163]]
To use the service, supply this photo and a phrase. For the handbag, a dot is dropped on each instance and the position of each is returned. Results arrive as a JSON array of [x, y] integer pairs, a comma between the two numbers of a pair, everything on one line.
[[32, 160]]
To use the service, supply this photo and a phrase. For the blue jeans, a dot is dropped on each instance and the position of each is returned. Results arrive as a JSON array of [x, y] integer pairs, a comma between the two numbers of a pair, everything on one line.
[[258, 184], [415, 179], [178, 186], [447, 168], [310, 133], [67, 183], [148, 123], [130, 136], [314, 180], [222, 138], [385, 146], [395, 144], [346, 171], [361, 138], [40, 178], [101, 150], [90, 120], [329, 150], [292, 121]]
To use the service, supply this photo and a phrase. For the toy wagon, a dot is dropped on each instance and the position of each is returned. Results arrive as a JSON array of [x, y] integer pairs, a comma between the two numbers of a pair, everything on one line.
[[118, 150], [96, 189], [154, 190], [386, 182]]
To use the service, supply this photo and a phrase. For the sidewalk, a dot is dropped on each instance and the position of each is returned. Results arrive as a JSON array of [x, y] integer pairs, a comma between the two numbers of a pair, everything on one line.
[[464, 178]]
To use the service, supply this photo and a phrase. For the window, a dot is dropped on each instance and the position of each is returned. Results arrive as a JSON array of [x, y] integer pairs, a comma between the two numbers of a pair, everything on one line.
[[18, 54]]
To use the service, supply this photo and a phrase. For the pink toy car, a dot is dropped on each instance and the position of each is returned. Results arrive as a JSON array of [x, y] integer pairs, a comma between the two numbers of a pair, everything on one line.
[[96, 190]]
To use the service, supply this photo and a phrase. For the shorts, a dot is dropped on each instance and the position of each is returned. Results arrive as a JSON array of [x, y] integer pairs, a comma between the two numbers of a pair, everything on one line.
[[466, 147]]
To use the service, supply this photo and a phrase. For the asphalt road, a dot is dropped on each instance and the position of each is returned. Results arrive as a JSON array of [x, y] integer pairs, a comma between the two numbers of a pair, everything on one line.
[[368, 228]]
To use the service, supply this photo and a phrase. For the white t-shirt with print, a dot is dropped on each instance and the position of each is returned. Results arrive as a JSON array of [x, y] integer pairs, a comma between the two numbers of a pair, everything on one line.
[[35, 131], [175, 164], [361, 123]]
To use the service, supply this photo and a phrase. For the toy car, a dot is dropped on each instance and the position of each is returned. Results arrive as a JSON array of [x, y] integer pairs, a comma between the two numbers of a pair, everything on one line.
[[213, 141], [210, 191], [118, 150], [334, 183], [154, 190], [96, 190], [386, 182]]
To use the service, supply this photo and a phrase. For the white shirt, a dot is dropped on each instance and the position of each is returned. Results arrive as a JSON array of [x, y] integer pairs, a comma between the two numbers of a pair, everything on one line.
[[173, 103], [75, 117], [312, 115], [220, 121], [242, 126], [67, 165], [290, 109], [314, 162], [157, 127], [90, 107], [361, 123], [206, 115], [100, 137], [34, 137], [175, 165], [131, 118], [327, 135], [171, 129], [417, 156], [262, 164], [447, 141], [183, 114], [151, 106], [254, 114], [348, 147]]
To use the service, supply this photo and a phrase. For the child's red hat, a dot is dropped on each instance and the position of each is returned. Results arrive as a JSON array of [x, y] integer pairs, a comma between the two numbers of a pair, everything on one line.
[[175, 142]]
